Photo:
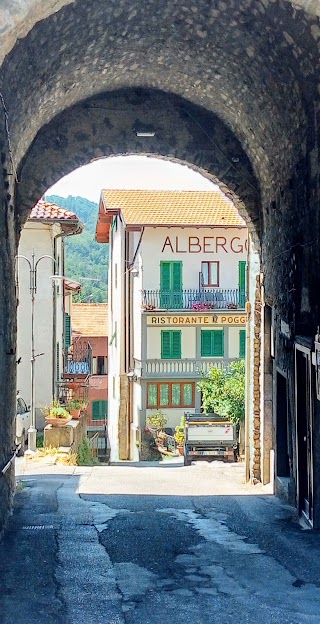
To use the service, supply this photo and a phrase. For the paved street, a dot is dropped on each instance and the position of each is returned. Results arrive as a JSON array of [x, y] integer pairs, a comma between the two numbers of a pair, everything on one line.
[[157, 544]]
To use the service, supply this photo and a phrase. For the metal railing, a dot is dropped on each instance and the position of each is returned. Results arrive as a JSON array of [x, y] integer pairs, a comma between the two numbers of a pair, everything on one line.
[[78, 358], [182, 368], [94, 444], [192, 299]]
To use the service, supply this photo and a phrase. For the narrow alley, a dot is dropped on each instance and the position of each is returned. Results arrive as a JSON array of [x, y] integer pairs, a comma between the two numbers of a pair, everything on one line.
[[142, 544]]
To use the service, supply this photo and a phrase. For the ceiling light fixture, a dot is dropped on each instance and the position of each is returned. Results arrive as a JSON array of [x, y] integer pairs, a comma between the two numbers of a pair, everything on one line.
[[145, 133]]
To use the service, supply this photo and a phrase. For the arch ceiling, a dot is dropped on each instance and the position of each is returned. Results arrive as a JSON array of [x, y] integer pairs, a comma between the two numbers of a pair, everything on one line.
[[250, 63], [109, 124]]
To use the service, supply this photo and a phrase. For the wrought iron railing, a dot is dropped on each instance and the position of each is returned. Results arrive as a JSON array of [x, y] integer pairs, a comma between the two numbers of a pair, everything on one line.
[[197, 300], [78, 360], [182, 368]]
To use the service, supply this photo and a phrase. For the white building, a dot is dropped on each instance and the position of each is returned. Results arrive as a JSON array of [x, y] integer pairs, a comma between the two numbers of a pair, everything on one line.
[[177, 294], [44, 232]]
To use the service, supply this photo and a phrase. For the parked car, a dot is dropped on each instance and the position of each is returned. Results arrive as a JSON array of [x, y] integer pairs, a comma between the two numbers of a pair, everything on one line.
[[23, 422]]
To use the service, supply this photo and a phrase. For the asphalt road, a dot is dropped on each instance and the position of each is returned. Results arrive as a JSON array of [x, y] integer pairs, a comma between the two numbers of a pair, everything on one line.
[[154, 545]]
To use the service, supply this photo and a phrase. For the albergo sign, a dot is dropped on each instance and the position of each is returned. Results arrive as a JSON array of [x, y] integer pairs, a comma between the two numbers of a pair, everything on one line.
[[204, 244], [203, 319]]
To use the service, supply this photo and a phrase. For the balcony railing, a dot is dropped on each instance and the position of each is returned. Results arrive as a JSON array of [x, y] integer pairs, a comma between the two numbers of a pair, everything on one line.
[[78, 360], [182, 368], [197, 300]]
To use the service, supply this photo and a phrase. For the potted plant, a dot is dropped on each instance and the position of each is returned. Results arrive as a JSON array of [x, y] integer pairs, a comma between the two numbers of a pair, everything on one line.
[[75, 407], [179, 436], [56, 415]]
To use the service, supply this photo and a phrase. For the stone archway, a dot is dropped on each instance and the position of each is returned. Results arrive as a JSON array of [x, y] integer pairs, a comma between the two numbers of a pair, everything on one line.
[[244, 73]]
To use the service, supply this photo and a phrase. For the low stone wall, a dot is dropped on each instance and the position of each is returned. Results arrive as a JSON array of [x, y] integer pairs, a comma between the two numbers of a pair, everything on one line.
[[68, 436]]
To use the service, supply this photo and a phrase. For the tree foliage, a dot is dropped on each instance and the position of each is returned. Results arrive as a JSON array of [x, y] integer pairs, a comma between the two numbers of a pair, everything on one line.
[[85, 258], [223, 391]]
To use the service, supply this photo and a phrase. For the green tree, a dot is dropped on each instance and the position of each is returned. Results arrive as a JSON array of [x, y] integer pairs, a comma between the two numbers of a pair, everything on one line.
[[223, 391], [85, 258]]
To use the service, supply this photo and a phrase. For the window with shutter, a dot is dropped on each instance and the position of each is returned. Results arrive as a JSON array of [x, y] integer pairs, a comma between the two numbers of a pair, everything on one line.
[[170, 284], [99, 410], [67, 331], [242, 343], [171, 345], [212, 343]]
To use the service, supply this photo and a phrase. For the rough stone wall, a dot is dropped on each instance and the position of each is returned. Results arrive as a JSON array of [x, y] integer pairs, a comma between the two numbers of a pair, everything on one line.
[[230, 86], [243, 59], [7, 325], [256, 380], [106, 125]]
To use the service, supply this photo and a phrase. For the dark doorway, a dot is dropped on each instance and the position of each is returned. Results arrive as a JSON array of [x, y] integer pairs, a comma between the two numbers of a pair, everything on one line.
[[283, 466], [304, 432]]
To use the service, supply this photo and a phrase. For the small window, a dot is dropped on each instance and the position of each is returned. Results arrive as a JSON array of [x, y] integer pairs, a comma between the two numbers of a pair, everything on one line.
[[212, 343], [99, 365], [210, 273]]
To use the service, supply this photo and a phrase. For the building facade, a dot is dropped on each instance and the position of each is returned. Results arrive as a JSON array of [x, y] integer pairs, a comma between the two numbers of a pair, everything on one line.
[[177, 297], [43, 233], [89, 323]]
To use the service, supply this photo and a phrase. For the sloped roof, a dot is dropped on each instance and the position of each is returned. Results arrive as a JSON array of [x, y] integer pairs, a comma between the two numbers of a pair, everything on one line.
[[181, 208], [90, 319], [47, 211]]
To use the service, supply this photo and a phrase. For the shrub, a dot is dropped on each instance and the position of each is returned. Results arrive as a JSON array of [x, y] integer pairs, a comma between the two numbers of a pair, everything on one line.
[[223, 391], [85, 457], [157, 421]]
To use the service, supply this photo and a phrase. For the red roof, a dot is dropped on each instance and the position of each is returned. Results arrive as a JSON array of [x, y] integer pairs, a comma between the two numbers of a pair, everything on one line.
[[46, 211]]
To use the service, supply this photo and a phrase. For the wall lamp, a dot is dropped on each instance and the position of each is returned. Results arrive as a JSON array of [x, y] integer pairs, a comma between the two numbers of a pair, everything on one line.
[[132, 376]]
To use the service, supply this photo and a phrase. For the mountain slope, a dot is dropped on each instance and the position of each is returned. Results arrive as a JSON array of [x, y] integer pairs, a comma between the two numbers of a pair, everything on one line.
[[86, 260]]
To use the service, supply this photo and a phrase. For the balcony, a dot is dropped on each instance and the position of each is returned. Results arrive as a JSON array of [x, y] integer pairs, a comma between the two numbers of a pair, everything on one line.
[[186, 368], [194, 300], [78, 360]]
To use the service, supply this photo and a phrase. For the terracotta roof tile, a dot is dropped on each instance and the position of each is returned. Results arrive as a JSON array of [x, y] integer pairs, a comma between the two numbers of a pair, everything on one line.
[[44, 210], [194, 208], [90, 319]]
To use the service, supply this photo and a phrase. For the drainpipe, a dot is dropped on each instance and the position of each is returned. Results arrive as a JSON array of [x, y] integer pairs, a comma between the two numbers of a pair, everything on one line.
[[77, 229]]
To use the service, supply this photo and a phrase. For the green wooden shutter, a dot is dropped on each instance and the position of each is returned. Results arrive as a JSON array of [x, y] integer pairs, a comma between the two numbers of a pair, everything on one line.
[[165, 274], [242, 283], [99, 410], [171, 344], [176, 269], [67, 331], [176, 281], [165, 344], [176, 345], [212, 343], [58, 362], [206, 340], [242, 343], [218, 343]]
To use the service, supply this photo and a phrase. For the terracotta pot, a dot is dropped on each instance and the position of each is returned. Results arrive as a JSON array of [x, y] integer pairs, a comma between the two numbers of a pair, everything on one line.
[[75, 414], [57, 422], [180, 448]]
